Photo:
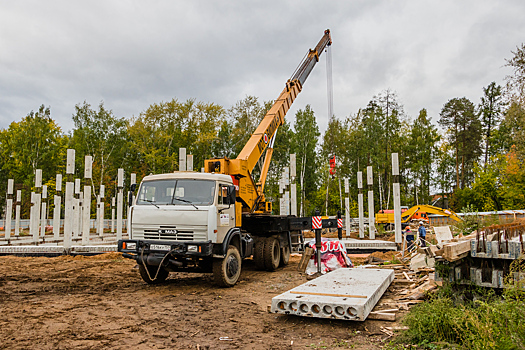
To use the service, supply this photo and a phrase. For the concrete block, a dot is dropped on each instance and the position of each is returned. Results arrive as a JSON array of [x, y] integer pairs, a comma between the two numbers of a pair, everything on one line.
[[494, 248], [431, 262], [443, 234], [488, 246], [346, 294], [418, 261], [501, 281], [457, 273], [514, 249], [473, 275], [493, 283], [473, 248]]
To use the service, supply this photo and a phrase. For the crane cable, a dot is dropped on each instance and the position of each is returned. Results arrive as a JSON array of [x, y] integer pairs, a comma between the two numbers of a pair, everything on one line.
[[330, 93], [329, 82]]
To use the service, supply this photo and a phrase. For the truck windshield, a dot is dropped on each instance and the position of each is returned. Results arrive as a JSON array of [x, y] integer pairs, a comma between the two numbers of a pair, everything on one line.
[[176, 192]]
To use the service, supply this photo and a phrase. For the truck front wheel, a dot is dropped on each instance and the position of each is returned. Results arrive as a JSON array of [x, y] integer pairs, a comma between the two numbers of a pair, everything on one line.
[[148, 274], [226, 271], [272, 254]]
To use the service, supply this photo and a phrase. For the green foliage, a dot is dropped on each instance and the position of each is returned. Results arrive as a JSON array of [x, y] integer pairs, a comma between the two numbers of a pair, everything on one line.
[[516, 81], [103, 136], [463, 127], [490, 110], [36, 142], [421, 152], [304, 142], [158, 133], [468, 319]]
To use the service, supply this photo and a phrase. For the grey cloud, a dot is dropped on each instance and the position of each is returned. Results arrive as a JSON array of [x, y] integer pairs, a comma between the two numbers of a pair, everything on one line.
[[131, 54]]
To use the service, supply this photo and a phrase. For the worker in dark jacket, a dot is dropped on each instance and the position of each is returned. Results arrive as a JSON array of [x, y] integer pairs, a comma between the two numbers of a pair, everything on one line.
[[422, 233], [409, 238]]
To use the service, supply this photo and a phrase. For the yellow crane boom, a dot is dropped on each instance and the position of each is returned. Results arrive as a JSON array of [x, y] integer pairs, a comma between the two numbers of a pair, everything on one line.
[[249, 193]]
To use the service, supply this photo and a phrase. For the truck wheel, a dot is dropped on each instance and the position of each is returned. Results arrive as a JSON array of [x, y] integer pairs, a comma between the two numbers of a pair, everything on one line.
[[285, 256], [258, 253], [272, 254], [152, 270], [226, 271]]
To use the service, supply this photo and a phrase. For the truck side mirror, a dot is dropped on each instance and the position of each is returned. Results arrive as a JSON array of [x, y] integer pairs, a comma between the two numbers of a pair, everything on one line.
[[231, 195], [133, 187]]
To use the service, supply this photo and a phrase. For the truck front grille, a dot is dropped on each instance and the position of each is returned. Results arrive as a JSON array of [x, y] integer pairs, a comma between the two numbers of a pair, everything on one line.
[[170, 233]]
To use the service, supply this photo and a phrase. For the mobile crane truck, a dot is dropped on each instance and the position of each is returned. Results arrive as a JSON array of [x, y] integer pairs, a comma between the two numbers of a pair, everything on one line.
[[211, 221]]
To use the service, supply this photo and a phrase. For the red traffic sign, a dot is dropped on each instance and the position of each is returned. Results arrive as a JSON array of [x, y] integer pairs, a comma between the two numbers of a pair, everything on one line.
[[339, 223], [317, 222]]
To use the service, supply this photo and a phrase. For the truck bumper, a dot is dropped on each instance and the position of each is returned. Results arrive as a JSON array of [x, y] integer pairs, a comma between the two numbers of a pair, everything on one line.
[[134, 248]]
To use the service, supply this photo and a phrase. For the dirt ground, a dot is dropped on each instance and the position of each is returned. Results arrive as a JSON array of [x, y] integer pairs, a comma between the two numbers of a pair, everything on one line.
[[101, 302]]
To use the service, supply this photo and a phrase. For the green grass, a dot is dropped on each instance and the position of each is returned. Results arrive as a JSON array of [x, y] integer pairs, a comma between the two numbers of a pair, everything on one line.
[[471, 318]]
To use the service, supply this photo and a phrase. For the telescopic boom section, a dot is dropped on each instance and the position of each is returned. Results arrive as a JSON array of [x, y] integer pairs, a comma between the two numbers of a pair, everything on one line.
[[250, 194], [253, 150]]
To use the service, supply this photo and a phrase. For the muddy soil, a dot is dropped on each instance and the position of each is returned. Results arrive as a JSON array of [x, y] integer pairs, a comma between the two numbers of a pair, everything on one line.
[[102, 303]]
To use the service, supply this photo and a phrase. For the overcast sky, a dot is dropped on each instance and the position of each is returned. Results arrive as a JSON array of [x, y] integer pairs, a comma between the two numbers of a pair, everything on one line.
[[130, 54]]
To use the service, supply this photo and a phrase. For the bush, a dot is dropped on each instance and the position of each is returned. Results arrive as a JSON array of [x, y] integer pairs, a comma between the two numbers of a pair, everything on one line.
[[470, 320]]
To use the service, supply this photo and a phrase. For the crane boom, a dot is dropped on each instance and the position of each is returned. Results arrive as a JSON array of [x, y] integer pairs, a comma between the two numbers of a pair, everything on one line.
[[249, 193], [275, 117]]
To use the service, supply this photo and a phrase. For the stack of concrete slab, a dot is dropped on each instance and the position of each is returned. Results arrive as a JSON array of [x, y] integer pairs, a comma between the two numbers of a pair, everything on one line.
[[347, 294], [352, 244]]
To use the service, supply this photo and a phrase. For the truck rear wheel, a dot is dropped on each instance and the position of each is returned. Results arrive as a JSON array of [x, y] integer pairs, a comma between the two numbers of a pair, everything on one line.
[[226, 271], [258, 253], [272, 254], [285, 256], [148, 274]]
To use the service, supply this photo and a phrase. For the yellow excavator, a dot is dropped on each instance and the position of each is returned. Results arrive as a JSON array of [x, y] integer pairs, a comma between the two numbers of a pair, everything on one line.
[[418, 212]]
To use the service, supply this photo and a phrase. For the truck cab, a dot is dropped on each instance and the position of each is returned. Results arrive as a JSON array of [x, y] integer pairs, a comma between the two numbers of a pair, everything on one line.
[[182, 221]]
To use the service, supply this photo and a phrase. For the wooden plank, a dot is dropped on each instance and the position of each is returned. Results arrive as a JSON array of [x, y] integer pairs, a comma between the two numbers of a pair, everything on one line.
[[330, 295], [381, 316], [403, 281], [387, 310], [455, 251], [307, 254], [408, 278]]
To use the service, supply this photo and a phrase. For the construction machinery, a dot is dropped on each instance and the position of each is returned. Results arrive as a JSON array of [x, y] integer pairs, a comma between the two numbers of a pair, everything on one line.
[[418, 212], [211, 221]]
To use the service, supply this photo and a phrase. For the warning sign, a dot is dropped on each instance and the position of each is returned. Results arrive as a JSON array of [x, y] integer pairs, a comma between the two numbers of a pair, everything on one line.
[[317, 222], [225, 219]]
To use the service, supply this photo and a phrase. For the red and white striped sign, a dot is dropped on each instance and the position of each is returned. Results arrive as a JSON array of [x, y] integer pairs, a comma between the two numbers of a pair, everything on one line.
[[339, 223], [317, 222]]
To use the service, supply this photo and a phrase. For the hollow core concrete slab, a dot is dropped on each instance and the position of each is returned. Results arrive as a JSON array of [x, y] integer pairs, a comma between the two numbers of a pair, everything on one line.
[[347, 294]]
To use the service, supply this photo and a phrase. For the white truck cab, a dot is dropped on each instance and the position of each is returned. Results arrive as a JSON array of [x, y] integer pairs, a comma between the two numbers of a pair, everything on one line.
[[182, 206], [185, 221]]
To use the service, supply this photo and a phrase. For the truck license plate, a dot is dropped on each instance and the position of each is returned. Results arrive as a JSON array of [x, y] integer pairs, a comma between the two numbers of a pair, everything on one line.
[[160, 247]]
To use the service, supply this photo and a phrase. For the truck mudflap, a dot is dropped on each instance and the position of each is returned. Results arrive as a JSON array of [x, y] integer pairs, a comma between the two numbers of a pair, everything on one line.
[[133, 248]]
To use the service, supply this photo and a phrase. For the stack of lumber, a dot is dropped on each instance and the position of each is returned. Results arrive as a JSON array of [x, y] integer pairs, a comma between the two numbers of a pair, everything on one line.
[[408, 288], [454, 251]]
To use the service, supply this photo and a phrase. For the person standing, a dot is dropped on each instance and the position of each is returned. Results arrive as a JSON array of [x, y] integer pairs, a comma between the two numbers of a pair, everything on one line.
[[422, 233], [409, 238]]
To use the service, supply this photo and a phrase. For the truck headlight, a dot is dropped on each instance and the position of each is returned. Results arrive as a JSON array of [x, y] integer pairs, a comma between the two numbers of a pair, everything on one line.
[[193, 248], [129, 245]]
